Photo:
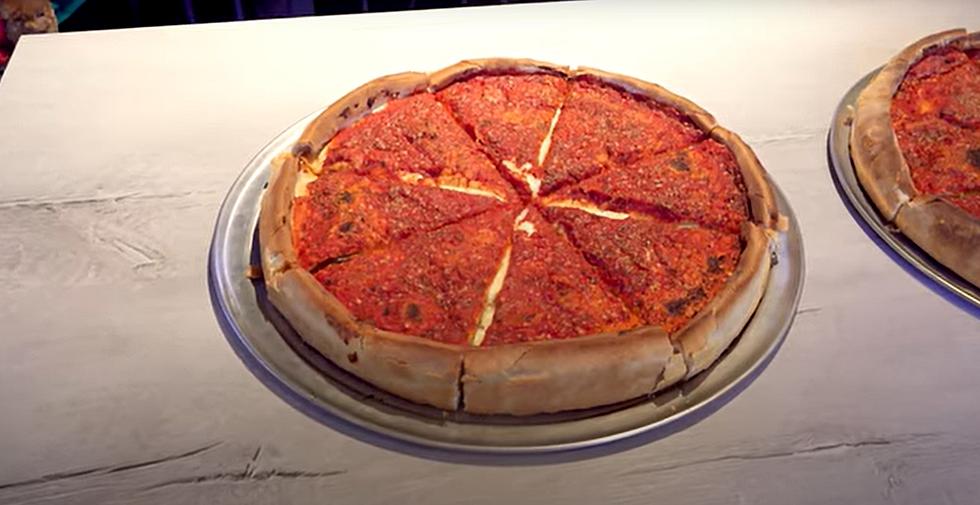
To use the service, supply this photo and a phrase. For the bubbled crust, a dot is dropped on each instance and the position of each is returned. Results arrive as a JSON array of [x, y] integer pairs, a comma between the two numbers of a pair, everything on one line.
[[948, 233], [518, 379]]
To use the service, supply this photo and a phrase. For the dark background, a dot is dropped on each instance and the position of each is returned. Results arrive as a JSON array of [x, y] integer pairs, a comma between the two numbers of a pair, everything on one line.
[[105, 14]]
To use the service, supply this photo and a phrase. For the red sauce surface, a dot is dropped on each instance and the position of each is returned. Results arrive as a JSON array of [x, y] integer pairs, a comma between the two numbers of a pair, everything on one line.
[[936, 117], [602, 127], [508, 115], [410, 257], [666, 272], [551, 292], [700, 183], [415, 134], [345, 213], [431, 284]]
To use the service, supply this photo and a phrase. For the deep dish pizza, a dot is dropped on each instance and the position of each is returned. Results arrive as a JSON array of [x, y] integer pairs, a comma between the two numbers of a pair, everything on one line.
[[915, 143], [515, 237]]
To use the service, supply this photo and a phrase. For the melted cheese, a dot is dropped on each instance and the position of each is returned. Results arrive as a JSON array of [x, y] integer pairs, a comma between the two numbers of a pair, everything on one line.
[[449, 184], [410, 177], [490, 301], [471, 191], [546, 143], [303, 179], [589, 208], [524, 173], [321, 157], [379, 108], [527, 227]]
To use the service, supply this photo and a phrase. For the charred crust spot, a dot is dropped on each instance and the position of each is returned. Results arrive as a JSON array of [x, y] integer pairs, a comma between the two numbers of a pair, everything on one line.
[[302, 149], [352, 357], [413, 312], [774, 258], [346, 226], [253, 272], [676, 307], [680, 164], [714, 264], [370, 102], [973, 157], [696, 294], [345, 113]]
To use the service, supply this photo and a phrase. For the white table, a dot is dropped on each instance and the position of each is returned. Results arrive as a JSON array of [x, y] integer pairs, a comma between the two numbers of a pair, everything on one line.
[[116, 384]]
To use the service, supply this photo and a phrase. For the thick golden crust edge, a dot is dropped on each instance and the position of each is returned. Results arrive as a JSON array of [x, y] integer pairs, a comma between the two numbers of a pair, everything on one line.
[[551, 376], [707, 336], [762, 200], [702, 118], [949, 234], [275, 237], [420, 370], [356, 105], [877, 157], [469, 68]]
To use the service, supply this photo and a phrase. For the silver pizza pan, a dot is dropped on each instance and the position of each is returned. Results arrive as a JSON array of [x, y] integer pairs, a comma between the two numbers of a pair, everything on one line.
[[916, 261], [299, 375]]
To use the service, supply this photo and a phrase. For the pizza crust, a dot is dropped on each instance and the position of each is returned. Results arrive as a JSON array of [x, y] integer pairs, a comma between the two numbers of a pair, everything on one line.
[[469, 68], [556, 375], [705, 338], [948, 233], [515, 379]]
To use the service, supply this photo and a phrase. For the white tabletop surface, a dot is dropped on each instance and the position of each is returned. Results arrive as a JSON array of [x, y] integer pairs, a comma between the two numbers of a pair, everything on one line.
[[116, 384]]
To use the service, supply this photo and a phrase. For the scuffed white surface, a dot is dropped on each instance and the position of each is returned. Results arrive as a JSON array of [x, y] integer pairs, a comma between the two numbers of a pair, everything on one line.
[[117, 147]]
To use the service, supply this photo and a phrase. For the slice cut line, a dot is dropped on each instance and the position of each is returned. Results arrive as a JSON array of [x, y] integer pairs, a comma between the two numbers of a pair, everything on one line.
[[551, 292], [346, 213], [699, 183], [601, 126], [509, 116], [416, 134], [665, 272], [431, 285]]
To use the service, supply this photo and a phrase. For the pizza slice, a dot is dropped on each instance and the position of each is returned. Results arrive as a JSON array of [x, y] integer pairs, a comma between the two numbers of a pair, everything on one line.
[[415, 138], [510, 116], [432, 284], [347, 213], [942, 158], [666, 272], [601, 127], [700, 183], [550, 291]]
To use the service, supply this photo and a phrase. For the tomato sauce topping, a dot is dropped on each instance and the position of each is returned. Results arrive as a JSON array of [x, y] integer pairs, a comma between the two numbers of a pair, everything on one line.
[[666, 272], [431, 284], [936, 117], [413, 135], [345, 213], [508, 115], [700, 183], [601, 127], [551, 292]]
